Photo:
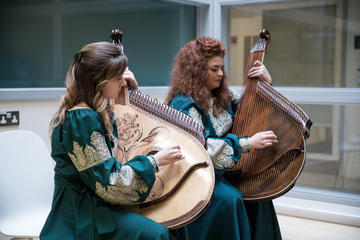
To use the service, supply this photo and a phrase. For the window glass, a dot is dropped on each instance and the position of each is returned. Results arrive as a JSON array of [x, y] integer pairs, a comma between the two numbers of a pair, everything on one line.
[[333, 149], [26, 52], [42, 37], [313, 43]]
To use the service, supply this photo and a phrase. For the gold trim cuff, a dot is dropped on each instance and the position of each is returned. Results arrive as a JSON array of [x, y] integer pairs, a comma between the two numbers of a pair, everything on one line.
[[153, 162], [244, 144]]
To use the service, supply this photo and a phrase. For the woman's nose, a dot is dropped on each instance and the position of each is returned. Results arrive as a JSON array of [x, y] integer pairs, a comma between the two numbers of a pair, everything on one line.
[[122, 82], [220, 72]]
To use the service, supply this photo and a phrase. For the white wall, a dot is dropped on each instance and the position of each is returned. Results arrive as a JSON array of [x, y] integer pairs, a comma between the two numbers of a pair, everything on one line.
[[35, 115]]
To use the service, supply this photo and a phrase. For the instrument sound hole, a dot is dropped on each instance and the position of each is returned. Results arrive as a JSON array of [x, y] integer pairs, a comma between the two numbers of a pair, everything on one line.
[[153, 152]]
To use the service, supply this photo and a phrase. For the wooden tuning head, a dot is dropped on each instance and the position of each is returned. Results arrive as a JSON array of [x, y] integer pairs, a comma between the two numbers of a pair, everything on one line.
[[265, 35], [116, 36]]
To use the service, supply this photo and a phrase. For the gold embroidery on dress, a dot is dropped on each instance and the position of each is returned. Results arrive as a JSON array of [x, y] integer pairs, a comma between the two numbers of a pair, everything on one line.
[[220, 153], [125, 187], [84, 158], [114, 147], [244, 144], [194, 113], [153, 163], [222, 123], [235, 96]]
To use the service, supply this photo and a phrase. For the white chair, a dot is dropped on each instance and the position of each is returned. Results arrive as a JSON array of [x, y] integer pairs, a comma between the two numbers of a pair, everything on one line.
[[26, 184]]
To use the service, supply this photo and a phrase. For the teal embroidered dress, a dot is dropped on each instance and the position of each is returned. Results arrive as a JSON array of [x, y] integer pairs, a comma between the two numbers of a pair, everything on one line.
[[91, 185], [227, 217]]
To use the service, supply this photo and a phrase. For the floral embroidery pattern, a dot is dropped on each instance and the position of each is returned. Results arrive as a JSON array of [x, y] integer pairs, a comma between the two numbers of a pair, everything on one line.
[[222, 123], [125, 187], [235, 96], [84, 158], [195, 114], [220, 153], [114, 147], [244, 144]]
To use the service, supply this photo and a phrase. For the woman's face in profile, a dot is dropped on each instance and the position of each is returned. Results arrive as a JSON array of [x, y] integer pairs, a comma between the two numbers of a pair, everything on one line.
[[113, 87], [215, 72]]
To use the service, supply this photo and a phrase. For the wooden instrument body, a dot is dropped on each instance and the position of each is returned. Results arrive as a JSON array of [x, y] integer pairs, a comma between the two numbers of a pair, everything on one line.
[[181, 190], [268, 173]]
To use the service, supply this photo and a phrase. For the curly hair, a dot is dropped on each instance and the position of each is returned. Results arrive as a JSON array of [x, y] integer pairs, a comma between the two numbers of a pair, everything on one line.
[[92, 68], [189, 73]]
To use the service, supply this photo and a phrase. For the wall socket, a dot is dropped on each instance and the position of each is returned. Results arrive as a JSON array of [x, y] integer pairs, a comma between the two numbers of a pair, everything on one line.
[[9, 118]]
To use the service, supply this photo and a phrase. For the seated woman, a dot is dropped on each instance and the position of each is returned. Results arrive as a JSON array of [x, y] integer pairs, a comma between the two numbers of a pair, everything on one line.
[[200, 89], [90, 184]]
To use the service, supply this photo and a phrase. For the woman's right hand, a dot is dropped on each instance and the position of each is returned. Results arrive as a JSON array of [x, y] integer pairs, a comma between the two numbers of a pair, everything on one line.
[[168, 155], [262, 140]]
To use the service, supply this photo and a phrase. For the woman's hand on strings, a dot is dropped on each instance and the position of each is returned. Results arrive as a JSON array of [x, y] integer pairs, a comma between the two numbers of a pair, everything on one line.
[[259, 70], [130, 79], [262, 140], [168, 155]]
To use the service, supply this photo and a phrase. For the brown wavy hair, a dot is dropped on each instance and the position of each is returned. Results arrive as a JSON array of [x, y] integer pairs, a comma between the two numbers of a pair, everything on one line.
[[93, 67], [189, 73]]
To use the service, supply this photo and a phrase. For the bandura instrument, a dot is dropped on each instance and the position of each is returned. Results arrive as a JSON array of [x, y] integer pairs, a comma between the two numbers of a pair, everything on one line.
[[268, 173], [182, 190]]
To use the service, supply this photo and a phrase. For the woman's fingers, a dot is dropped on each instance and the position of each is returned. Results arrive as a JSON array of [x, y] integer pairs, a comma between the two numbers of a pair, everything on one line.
[[257, 63], [177, 153], [259, 70], [270, 137], [263, 139], [130, 79], [256, 69], [169, 155]]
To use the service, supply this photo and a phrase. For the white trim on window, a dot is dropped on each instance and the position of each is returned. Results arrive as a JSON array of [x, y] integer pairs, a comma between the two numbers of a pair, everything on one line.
[[299, 95]]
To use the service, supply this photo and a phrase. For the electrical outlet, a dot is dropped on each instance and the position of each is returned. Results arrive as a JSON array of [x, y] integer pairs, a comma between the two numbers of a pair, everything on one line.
[[9, 118]]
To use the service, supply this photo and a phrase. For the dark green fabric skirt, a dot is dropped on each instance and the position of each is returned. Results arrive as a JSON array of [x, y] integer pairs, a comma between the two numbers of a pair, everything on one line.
[[225, 218], [78, 214], [229, 217], [263, 220]]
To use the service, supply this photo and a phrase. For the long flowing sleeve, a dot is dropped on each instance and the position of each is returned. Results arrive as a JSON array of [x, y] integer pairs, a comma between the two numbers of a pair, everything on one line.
[[91, 150], [223, 147]]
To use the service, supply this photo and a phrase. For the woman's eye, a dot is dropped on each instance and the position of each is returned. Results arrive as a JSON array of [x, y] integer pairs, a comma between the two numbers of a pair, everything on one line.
[[214, 70]]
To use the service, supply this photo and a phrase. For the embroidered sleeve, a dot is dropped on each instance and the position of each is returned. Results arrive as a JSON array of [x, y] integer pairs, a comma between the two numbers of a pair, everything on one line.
[[93, 155], [244, 143], [94, 152], [125, 187], [154, 163], [220, 153]]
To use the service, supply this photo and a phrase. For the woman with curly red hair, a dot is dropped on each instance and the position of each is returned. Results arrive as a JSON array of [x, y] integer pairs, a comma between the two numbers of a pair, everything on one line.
[[200, 89]]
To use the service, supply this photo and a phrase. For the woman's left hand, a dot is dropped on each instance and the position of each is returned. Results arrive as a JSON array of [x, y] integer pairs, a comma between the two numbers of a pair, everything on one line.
[[130, 79], [259, 70]]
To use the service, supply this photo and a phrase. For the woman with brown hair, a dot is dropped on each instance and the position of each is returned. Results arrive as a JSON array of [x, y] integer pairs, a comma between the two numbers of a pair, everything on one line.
[[90, 184], [200, 89]]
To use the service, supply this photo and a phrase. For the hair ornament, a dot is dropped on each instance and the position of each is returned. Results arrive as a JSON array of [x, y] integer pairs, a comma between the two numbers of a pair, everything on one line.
[[116, 36]]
